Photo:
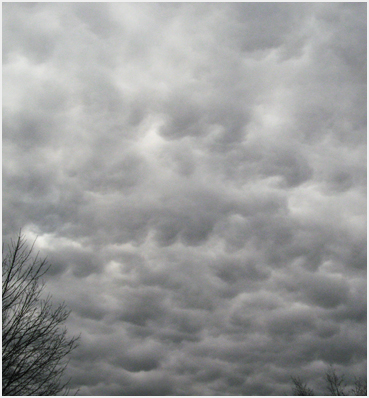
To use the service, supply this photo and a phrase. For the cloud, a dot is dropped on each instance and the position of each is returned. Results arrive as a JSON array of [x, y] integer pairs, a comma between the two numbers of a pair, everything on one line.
[[196, 176]]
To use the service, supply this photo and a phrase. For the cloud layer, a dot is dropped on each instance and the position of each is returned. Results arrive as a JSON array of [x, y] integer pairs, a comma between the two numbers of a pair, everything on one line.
[[196, 175]]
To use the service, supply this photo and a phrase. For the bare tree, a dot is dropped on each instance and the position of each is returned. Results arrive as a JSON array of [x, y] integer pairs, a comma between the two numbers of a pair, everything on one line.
[[34, 342], [360, 388], [300, 388], [334, 385]]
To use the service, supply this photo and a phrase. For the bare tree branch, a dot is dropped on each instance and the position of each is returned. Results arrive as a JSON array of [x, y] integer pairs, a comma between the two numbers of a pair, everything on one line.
[[34, 342], [335, 383], [360, 388], [300, 388]]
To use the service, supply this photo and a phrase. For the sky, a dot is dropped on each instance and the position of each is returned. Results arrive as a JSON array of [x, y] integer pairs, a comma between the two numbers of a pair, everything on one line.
[[195, 173]]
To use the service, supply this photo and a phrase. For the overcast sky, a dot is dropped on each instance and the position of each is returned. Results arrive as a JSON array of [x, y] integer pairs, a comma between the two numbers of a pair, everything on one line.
[[196, 175]]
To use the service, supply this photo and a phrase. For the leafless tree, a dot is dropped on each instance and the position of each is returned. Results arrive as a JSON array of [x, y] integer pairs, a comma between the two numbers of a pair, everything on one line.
[[300, 388], [35, 343], [334, 385], [360, 388]]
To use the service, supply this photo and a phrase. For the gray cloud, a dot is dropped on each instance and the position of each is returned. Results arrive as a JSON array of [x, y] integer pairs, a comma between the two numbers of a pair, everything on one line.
[[196, 176]]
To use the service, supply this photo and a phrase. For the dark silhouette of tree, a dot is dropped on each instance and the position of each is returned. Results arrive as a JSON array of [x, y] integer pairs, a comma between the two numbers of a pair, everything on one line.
[[360, 388], [334, 385], [35, 342], [300, 388]]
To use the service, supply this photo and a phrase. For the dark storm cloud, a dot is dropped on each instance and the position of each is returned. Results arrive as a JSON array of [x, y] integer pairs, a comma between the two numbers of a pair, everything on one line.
[[196, 175]]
